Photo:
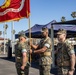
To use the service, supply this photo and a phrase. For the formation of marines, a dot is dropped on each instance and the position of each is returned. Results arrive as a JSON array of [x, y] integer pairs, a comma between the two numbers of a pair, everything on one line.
[[64, 51]]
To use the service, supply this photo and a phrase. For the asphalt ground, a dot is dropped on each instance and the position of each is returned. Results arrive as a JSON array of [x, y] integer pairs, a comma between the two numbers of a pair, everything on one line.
[[7, 67]]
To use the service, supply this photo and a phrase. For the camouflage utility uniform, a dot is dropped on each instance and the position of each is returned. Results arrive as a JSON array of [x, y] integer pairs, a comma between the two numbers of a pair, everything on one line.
[[18, 55], [63, 57], [45, 58]]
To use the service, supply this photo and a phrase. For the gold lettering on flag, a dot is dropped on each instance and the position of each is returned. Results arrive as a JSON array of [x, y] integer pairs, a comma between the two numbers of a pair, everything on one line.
[[11, 9], [6, 4]]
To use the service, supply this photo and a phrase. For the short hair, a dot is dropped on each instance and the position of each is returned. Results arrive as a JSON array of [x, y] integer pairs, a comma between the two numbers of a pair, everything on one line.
[[44, 29], [62, 31], [22, 35]]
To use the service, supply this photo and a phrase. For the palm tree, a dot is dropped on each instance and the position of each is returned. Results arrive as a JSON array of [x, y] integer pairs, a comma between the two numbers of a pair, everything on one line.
[[63, 19]]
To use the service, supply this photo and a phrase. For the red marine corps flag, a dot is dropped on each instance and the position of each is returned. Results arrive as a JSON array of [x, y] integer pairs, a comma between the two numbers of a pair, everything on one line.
[[14, 10]]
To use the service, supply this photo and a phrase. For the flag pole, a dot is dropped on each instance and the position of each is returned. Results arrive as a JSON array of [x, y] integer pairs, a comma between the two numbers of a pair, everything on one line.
[[29, 37], [28, 16]]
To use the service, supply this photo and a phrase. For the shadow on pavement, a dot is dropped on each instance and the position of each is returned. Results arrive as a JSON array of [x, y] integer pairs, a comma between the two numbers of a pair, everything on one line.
[[36, 65], [11, 59]]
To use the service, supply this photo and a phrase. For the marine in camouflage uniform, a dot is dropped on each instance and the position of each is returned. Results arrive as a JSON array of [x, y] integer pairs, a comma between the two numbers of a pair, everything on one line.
[[45, 57], [20, 48], [44, 49], [64, 53]]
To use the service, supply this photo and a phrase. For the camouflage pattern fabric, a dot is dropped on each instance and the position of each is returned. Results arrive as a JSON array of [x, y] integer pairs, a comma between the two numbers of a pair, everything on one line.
[[63, 57], [18, 56], [45, 70], [63, 70], [45, 60], [22, 72]]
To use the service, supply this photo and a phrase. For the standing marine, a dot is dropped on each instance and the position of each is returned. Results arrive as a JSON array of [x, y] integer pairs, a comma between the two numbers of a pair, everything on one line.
[[22, 55], [65, 54], [44, 49]]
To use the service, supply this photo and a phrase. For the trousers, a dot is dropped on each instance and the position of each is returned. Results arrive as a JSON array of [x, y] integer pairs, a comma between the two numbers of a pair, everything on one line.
[[44, 69], [63, 70], [20, 71]]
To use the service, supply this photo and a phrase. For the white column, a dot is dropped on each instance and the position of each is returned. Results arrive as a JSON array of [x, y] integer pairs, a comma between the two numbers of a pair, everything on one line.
[[12, 36], [4, 36]]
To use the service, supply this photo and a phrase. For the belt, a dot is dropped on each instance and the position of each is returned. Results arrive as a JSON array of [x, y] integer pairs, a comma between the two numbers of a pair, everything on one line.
[[45, 54], [64, 63]]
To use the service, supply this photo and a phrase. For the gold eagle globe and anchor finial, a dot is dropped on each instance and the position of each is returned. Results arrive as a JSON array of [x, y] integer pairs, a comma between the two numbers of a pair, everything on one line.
[[6, 4]]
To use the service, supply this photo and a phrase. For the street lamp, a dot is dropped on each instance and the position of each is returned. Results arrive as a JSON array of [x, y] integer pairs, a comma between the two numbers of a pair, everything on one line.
[[63, 19], [73, 14]]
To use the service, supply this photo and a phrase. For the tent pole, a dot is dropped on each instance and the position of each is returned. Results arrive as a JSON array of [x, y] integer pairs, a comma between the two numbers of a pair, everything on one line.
[[52, 40]]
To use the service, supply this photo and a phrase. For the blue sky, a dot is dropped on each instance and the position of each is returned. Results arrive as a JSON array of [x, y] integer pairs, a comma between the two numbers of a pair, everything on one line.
[[42, 12]]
